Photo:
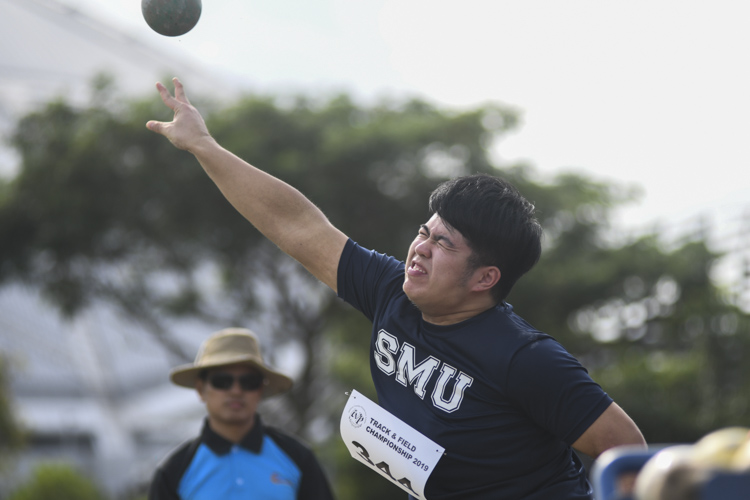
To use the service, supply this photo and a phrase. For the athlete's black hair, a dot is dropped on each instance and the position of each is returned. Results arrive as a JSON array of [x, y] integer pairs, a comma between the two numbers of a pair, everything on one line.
[[497, 222]]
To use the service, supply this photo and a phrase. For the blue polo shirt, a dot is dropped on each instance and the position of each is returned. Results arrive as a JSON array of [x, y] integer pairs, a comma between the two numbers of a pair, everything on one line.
[[266, 464]]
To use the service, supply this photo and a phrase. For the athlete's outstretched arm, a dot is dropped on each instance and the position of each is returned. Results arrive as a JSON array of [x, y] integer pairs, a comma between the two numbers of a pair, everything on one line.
[[276, 209]]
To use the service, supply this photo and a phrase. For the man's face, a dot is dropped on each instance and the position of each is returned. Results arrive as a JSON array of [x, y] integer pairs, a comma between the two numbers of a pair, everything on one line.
[[233, 405], [438, 277]]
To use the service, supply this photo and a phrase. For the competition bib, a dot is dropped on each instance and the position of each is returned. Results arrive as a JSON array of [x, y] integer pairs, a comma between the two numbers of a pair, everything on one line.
[[388, 445]]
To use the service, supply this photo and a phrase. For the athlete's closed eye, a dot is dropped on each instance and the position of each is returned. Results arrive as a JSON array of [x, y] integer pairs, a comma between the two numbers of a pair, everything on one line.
[[440, 239]]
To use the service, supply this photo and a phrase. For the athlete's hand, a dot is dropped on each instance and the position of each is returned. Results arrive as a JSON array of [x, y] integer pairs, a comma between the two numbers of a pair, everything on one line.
[[187, 129]]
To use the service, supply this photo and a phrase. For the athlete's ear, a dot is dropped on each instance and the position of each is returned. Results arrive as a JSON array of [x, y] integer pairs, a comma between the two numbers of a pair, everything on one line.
[[487, 277]]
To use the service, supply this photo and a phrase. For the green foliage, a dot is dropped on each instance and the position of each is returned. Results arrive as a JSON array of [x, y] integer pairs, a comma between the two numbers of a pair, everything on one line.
[[659, 336], [11, 435], [60, 482], [678, 397]]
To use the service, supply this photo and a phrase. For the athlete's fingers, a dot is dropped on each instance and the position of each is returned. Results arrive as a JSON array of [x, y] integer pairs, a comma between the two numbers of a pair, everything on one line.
[[166, 96], [179, 91]]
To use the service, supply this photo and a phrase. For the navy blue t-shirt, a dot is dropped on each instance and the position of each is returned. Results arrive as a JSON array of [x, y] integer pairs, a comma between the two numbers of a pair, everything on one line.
[[505, 400]]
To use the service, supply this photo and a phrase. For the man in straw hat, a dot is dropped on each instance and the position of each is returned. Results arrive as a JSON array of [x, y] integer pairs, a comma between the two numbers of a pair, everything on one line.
[[236, 456], [448, 355]]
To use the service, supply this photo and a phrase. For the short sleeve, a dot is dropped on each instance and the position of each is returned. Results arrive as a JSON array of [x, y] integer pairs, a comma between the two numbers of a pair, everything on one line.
[[555, 390], [365, 278]]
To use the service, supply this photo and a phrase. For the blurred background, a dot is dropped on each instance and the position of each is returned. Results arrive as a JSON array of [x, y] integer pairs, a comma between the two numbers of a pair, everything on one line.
[[625, 124]]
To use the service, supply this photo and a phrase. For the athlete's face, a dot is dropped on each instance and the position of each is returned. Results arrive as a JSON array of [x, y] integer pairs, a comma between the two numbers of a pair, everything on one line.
[[438, 278], [232, 406]]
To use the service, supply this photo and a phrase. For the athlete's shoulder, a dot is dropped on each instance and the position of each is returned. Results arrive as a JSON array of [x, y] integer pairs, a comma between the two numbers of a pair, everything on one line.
[[362, 259], [507, 326]]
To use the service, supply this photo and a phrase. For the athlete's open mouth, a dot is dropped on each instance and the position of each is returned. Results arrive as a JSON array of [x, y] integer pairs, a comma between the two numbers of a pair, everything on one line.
[[416, 268]]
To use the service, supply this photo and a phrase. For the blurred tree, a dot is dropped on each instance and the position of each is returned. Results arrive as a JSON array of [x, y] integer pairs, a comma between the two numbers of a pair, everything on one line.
[[60, 482], [102, 209], [11, 435], [667, 343]]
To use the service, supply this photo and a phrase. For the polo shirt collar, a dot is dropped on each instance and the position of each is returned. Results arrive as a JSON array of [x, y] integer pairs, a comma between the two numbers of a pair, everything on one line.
[[252, 441]]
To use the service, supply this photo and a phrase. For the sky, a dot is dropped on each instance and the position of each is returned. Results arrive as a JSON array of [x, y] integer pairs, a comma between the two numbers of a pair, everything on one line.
[[654, 94]]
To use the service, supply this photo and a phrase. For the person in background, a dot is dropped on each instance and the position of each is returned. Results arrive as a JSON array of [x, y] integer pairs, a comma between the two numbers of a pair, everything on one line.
[[236, 456]]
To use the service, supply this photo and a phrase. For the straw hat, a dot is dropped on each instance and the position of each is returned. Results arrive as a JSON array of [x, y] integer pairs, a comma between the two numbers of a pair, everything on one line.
[[228, 347]]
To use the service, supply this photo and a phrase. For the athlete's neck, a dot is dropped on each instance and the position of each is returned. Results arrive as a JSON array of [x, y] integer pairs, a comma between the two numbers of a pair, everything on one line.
[[444, 319]]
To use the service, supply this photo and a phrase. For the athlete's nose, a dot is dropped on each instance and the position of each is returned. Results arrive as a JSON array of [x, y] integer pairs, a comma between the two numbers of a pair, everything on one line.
[[423, 248]]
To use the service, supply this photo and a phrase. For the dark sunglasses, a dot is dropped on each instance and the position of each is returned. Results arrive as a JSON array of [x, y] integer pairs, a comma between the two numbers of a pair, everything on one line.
[[225, 381]]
